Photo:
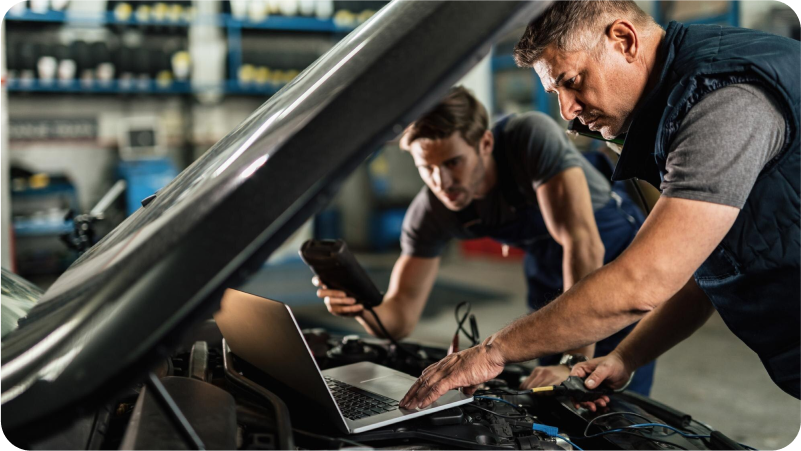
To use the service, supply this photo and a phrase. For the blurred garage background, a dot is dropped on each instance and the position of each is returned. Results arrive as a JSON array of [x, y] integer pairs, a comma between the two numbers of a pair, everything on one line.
[[104, 102]]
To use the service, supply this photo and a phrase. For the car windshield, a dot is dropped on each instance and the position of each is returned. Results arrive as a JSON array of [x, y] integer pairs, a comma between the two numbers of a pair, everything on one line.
[[18, 298]]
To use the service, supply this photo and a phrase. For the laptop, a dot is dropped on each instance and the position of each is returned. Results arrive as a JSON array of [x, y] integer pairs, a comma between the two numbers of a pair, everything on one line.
[[358, 397]]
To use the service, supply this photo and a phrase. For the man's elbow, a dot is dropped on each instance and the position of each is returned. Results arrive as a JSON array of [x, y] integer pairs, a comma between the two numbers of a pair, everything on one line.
[[403, 326], [638, 286], [402, 329]]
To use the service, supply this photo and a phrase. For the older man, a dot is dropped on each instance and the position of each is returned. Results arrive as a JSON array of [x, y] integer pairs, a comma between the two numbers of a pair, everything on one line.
[[712, 115]]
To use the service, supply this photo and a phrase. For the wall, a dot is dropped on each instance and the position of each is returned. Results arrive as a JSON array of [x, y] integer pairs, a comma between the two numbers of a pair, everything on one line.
[[90, 163]]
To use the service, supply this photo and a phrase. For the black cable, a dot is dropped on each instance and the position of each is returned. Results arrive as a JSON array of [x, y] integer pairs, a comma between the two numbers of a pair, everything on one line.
[[637, 435], [388, 336], [460, 322], [514, 417], [634, 182], [606, 415]]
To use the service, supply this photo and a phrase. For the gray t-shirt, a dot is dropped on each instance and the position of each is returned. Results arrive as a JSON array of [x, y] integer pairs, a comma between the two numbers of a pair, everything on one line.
[[539, 147], [723, 144]]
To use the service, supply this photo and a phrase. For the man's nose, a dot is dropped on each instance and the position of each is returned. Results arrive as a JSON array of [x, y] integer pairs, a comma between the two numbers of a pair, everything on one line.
[[569, 106], [442, 178]]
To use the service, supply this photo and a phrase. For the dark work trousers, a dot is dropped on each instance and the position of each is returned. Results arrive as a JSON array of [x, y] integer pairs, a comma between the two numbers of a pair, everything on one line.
[[618, 222]]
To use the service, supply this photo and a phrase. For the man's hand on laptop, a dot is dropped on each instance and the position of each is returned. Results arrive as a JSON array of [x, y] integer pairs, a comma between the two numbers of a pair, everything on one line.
[[462, 369]]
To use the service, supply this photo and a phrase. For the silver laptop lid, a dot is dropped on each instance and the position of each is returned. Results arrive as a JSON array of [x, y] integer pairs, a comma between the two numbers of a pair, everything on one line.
[[264, 332]]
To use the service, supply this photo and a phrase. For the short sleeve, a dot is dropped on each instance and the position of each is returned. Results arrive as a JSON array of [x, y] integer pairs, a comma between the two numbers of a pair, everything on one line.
[[722, 145], [423, 233], [548, 151]]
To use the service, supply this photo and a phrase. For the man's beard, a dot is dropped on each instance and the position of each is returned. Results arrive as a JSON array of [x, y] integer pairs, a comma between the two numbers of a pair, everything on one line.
[[474, 190]]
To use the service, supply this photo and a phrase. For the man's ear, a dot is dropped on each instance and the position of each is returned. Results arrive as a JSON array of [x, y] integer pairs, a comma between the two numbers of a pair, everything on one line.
[[624, 39], [486, 144]]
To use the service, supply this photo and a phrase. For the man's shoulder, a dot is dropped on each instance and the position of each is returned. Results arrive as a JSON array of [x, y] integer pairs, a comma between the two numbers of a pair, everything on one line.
[[745, 103], [531, 120]]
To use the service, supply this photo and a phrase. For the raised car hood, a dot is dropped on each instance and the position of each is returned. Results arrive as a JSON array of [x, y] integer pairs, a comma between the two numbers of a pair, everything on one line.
[[123, 303]]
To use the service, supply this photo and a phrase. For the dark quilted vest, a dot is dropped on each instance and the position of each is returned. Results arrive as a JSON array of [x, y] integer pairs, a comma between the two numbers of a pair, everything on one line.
[[752, 277]]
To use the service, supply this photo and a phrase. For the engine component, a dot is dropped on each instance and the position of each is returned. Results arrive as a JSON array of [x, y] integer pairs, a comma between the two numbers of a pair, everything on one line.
[[210, 410], [351, 350]]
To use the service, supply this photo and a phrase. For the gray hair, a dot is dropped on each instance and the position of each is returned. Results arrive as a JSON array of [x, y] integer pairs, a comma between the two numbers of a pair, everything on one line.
[[574, 25]]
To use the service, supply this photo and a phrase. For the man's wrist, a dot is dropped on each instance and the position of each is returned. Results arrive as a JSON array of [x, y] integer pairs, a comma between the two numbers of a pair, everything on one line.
[[629, 363], [571, 360], [494, 348]]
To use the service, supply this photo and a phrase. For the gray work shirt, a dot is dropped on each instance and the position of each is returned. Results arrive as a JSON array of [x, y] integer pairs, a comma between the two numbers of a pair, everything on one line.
[[540, 146], [722, 145]]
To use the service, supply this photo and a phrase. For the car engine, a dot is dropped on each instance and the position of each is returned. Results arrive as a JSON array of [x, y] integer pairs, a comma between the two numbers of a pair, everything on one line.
[[230, 404]]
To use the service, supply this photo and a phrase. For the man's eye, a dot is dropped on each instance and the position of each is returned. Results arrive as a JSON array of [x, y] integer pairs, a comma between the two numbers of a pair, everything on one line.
[[571, 82], [452, 163]]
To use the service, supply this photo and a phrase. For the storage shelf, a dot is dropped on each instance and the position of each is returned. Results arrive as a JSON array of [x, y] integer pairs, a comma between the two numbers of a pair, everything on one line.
[[103, 19], [27, 227], [117, 87], [295, 23], [234, 27], [111, 87], [235, 87]]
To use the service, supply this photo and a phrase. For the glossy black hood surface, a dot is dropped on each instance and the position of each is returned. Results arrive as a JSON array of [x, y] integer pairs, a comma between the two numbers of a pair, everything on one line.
[[123, 303]]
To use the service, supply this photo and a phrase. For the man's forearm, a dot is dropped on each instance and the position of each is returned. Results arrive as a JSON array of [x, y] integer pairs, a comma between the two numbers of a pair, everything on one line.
[[580, 259], [673, 242], [666, 326], [393, 319], [596, 307]]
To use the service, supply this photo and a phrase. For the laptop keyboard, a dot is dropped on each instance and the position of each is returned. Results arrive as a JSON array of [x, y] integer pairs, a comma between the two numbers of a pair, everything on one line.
[[356, 403]]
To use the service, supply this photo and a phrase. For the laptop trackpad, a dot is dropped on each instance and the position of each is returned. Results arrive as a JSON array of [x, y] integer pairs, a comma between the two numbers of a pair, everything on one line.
[[394, 386]]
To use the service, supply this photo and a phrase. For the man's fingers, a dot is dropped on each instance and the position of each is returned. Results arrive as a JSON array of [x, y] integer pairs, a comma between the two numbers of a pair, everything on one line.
[[470, 390], [340, 309], [596, 377], [322, 292], [528, 383], [406, 401], [581, 370], [335, 307], [316, 281], [435, 391], [427, 383], [421, 385]]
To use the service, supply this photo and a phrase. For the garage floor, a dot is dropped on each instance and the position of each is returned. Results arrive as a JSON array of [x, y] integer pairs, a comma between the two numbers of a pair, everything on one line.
[[711, 376]]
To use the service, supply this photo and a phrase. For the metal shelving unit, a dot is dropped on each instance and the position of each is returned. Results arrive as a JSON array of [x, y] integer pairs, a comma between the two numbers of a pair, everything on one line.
[[232, 87], [104, 19], [233, 26], [112, 87]]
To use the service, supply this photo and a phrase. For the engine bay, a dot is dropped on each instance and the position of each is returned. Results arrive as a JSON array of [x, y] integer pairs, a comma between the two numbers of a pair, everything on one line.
[[230, 404]]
